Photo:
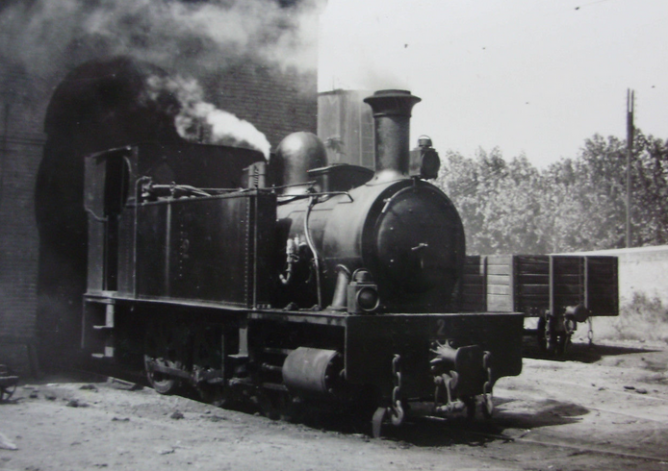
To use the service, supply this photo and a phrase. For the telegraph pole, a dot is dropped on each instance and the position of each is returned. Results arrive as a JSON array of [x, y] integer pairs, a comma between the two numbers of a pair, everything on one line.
[[629, 155]]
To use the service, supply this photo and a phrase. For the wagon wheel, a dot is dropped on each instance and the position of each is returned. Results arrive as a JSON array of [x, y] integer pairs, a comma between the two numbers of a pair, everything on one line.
[[553, 340], [163, 347], [562, 342], [162, 383], [556, 340]]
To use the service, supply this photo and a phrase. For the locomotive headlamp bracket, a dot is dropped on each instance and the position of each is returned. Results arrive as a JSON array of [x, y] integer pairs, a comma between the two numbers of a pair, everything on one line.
[[424, 160], [362, 293]]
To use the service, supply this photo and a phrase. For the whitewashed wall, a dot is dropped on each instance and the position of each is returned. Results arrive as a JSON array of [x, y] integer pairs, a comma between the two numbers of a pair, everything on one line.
[[642, 270]]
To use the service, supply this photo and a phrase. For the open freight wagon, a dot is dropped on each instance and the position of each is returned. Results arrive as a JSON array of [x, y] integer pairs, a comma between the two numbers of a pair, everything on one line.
[[559, 290]]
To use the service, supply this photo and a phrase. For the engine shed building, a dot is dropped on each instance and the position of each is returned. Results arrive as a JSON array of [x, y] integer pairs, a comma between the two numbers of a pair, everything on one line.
[[275, 100]]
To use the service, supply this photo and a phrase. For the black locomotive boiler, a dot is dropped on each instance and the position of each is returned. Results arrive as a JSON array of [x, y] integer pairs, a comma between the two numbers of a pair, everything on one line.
[[340, 285]]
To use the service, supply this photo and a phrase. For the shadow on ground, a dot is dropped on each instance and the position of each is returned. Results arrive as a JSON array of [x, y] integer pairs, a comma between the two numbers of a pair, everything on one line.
[[424, 431], [581, 352]]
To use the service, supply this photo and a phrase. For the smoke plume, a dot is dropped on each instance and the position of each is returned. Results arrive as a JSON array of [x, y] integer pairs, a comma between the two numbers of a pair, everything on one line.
[[49, 36], [46, 39], [200, 121]]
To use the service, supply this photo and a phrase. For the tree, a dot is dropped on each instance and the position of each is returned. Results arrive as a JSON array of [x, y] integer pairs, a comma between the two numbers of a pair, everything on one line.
[[573, 205], [496, 200], [650, 192], [589, 195]]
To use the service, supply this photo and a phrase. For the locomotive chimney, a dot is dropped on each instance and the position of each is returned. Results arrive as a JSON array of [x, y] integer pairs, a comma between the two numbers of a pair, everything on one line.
[[392, 113]]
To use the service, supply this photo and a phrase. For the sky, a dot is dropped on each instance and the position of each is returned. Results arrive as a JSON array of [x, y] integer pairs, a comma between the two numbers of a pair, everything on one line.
[[532, 77]]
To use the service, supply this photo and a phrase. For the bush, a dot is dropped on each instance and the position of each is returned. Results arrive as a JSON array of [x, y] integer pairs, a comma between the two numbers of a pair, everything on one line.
[[644, 317]]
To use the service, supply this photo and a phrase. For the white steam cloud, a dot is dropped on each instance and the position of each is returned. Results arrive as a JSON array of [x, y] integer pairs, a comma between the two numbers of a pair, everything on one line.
[[200, 121]]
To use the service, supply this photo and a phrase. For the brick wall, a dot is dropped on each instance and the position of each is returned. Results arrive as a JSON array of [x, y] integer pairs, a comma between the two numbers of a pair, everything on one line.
[[20, 154], [18, 237], [276, 101]]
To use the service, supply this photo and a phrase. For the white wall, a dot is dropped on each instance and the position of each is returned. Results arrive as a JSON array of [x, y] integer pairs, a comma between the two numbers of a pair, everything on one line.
[[643, 269]]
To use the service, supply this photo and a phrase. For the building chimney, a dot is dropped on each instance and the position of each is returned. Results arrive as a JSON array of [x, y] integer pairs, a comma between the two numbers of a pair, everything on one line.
[[392, 113]]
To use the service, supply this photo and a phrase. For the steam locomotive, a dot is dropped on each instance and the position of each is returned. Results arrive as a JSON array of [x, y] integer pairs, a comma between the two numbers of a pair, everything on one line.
[[290, 281]]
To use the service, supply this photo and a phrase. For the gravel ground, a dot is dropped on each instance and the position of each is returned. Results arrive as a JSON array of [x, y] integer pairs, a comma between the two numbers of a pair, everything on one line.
[[605, 408]]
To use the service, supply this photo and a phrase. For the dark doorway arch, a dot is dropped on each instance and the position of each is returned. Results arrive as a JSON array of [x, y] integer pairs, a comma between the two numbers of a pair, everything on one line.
[[101, 104]]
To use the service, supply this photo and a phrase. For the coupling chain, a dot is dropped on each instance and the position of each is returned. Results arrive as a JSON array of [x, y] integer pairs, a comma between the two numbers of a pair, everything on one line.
[[590, 332], [396, 408]]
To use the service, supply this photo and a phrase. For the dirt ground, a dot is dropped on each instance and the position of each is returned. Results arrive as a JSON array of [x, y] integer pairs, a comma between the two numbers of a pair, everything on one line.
[[605, 408]]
